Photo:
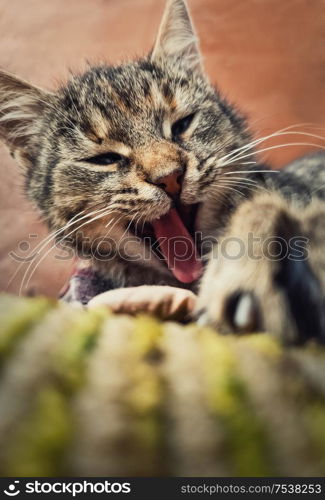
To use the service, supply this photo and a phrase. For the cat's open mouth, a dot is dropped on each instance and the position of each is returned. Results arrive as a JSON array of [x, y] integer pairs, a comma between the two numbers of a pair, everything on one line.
[[172, 237]]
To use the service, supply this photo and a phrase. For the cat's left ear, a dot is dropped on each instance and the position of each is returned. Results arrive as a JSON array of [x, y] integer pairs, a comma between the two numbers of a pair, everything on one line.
[[21, 107], [177, 37]]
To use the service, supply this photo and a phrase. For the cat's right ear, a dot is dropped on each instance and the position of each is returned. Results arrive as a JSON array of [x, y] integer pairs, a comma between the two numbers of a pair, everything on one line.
[[21, 107], [177, 36]]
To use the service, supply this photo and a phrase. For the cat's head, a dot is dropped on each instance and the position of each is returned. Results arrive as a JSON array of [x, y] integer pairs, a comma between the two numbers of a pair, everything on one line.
[[132, 138]]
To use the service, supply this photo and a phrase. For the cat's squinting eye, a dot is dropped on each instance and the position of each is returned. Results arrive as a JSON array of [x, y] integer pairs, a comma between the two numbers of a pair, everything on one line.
[[105, 159], [180, 126]]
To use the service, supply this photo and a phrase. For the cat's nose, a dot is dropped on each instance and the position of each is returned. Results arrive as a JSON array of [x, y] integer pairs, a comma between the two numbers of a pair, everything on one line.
[[171, 183]]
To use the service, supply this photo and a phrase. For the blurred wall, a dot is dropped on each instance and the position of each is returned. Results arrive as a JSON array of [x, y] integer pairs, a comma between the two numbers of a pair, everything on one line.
[[267, 56]]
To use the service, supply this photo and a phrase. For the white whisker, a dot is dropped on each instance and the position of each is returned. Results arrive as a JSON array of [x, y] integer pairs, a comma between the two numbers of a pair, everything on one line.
[[53, 246], [43, 242], [252, 172], [128, 226], [270, 148], [232, 189], [278, 133]]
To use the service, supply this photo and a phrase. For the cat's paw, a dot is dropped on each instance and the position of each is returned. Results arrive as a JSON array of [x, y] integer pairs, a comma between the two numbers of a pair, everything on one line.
[[282, 297], [265, 273], [163, 302]]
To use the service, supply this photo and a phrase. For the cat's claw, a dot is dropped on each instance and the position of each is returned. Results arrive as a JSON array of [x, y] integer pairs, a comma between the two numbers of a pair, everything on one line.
[[241, 312], [245, 314]]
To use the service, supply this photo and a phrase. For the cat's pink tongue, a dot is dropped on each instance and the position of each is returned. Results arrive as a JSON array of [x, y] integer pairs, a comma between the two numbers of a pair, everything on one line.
[[178, 247]]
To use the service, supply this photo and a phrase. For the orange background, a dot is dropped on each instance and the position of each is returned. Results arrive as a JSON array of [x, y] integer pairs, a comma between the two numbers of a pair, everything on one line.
[[267, 56]]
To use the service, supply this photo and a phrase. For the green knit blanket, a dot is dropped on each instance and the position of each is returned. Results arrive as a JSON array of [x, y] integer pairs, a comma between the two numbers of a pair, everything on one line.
[[89, 393]]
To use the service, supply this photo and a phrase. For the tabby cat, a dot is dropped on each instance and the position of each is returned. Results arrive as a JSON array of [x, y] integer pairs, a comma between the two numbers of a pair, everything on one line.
[[146, 169]]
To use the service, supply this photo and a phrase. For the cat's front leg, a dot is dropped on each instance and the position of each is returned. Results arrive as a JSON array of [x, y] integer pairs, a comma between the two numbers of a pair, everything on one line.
[[260, 276]]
